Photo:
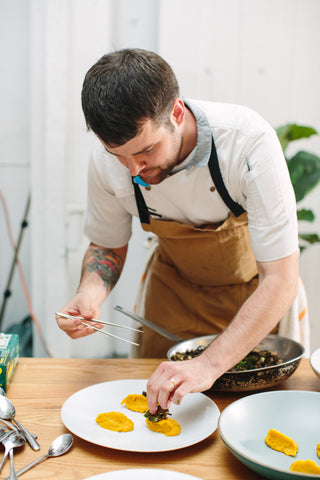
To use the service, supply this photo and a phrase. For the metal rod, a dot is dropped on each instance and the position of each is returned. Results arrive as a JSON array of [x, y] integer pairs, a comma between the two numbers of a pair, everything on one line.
[[7, 292], [72, 317], [110, 334]]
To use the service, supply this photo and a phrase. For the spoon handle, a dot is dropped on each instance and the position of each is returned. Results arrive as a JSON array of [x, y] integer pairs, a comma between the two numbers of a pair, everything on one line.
[[13, 475], [30, 438], [5, 454], [30, 465]]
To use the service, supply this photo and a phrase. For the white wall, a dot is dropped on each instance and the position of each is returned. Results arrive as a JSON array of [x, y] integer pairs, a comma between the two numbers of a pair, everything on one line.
[[262, 53]]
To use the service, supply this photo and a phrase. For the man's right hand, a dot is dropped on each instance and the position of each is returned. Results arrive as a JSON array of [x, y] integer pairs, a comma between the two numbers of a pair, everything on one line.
[[78, 307]]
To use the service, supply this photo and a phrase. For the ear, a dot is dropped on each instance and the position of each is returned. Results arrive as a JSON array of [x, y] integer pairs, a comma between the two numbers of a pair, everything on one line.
[[178, 111]]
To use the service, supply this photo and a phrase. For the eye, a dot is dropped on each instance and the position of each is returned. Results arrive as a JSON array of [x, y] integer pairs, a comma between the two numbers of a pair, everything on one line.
[[150, 150]]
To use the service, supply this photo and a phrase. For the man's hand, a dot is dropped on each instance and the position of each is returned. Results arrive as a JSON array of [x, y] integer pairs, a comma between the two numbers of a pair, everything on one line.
[[173, 380], [79, 306], [101, 270]]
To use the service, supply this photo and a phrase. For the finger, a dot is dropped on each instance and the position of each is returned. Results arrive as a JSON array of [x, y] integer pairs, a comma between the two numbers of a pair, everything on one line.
[[74, 327], [67, 324], [166, 393], [153, 387], [160, 388], [180, 392]]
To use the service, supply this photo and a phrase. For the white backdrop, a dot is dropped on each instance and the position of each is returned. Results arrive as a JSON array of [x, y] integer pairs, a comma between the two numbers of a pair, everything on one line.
[[262, 53]]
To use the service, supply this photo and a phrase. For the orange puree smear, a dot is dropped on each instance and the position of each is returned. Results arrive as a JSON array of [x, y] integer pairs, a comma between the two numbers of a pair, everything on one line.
[[115, 421], [167, 426], [135, 402], [305, 466], [280, 442]]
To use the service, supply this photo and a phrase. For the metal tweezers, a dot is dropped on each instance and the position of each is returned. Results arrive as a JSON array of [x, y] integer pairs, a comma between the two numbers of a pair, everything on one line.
[[64, 315]]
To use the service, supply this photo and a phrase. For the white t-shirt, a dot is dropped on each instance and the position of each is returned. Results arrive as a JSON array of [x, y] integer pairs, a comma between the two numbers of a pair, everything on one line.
[[253, 168]]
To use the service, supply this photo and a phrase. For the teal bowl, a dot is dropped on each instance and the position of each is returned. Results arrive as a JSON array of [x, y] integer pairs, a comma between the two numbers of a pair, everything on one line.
[[244, 424]]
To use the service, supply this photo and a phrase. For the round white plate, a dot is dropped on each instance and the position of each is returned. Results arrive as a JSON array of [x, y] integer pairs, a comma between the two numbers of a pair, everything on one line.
[[315, 361], [198, 416], [143, 474], [244, 424]]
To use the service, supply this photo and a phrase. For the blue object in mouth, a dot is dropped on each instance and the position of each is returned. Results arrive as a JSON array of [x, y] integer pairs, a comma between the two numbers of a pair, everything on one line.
[[139, 181]]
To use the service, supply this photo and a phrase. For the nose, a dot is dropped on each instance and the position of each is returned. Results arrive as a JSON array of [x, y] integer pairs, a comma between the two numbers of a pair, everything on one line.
[[135, 165]]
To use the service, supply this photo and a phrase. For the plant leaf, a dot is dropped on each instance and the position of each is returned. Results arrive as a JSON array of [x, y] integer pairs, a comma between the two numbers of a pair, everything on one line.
[[304, 169], [291, 131], [305, 215], [310, 237]]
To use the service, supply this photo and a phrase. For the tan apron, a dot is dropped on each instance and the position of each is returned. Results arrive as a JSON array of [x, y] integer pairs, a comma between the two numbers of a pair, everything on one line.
[[199, 276]]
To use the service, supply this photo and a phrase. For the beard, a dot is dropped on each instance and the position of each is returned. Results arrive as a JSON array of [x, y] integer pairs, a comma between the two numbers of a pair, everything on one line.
[[156, 175]]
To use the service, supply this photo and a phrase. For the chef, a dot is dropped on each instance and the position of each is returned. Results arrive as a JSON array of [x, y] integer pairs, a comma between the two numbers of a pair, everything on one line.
[[211, 182]]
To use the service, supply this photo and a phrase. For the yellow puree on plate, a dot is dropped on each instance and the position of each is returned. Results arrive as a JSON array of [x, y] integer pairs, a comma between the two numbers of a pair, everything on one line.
[[115, 421], [305, 466], [138, 403], [168, 427], [135, 402], [280, 442]]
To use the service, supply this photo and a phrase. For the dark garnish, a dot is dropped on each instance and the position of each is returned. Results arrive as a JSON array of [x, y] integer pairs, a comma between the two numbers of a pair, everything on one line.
[[161, 413], [257, 358], [188, 354]]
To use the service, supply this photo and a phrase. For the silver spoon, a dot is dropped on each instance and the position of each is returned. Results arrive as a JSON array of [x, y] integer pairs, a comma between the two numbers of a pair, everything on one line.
[[15, 439], [7, 410], [58, 447]]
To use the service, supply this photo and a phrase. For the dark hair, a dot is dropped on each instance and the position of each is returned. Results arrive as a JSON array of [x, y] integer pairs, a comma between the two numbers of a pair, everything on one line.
[[124, 89]]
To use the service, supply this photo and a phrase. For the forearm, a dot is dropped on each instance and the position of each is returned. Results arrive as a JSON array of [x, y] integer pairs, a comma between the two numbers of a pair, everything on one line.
[[278, 283], [258, 315], [101, 270]]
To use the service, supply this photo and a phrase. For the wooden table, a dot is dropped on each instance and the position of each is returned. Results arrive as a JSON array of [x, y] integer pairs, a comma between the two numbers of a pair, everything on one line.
[[40, 386]]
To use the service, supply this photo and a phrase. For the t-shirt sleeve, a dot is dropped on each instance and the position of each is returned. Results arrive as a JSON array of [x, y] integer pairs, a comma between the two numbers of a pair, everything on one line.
[[268, 198], [107, 223]]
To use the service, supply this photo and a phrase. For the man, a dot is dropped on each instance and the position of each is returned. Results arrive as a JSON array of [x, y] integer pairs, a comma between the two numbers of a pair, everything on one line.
[[210, 180]]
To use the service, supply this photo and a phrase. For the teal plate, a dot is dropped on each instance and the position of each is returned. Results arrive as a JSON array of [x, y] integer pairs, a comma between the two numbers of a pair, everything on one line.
[[244, 424]]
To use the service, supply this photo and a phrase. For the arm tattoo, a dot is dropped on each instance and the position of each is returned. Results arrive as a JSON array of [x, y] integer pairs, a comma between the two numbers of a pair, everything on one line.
[[106, 263]]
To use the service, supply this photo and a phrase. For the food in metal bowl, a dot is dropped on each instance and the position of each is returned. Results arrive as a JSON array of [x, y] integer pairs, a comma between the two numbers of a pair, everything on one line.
[[257, 358], [289, 352]]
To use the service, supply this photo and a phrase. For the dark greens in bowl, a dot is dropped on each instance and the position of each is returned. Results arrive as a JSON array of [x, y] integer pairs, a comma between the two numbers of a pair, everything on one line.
[[271, 362]]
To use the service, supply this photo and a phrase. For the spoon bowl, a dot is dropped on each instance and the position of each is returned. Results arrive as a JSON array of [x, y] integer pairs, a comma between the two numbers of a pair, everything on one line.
[[58, 447], [7, 411], [15, 439]]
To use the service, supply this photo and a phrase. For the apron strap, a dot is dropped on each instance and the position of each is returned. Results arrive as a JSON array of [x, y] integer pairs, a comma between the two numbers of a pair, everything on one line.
[[216, 176], [141, 204]]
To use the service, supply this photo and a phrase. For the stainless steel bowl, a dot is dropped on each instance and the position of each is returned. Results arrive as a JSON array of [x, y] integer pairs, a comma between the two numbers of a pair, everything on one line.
[[289, 350]]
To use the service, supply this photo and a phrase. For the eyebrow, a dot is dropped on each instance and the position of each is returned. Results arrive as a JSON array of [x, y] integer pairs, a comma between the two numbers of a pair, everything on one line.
[[136, 153]]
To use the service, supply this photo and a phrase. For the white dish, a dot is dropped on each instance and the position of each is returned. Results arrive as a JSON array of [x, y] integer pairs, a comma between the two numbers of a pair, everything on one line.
[[198, 416], [143, 474], [244, 424], [315, 361]]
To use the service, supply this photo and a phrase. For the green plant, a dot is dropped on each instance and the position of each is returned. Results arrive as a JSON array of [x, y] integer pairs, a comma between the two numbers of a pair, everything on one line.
[[304, 169]]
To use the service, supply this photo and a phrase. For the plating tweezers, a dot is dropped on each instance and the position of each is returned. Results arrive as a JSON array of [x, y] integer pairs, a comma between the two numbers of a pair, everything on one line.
[[64, 315]]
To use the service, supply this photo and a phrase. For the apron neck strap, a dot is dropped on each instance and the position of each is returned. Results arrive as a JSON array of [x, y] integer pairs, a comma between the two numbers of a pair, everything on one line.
[[216, 176], [141, 204]]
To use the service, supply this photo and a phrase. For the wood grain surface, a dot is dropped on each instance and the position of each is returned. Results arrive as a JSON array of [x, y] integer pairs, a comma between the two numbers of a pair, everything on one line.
[[41, 385]]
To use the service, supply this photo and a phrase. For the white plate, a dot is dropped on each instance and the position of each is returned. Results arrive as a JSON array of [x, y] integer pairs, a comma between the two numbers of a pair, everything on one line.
[[198, 416], [315, 361], [244, 424], [143, 474]]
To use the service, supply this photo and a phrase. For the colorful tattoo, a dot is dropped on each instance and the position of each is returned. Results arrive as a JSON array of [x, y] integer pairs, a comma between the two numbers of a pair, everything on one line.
[[106, 263]]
